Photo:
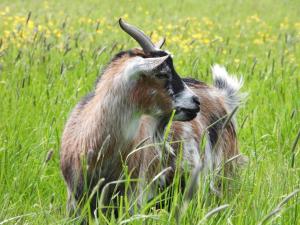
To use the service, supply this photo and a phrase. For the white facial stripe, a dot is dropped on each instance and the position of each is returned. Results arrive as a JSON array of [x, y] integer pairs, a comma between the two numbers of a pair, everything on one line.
[[185, 99]]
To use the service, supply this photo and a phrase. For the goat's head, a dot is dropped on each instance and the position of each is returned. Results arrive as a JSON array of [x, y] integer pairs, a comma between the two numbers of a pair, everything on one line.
[[159, 89]]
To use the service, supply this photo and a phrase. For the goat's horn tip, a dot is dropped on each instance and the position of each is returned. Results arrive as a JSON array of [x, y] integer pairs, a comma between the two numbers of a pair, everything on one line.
[[121, 22]]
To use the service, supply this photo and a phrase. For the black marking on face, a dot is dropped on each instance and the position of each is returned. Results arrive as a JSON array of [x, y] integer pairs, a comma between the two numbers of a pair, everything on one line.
[[174, 84]]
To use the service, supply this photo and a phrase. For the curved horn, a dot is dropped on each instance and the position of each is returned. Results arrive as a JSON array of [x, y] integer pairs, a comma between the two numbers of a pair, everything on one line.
[[138, 35]]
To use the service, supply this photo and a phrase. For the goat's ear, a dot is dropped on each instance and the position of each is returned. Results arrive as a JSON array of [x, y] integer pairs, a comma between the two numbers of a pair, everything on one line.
[[161, 42], [148, 66]]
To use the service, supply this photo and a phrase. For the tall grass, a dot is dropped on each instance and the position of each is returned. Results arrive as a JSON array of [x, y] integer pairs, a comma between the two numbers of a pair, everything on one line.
[[50, 56]]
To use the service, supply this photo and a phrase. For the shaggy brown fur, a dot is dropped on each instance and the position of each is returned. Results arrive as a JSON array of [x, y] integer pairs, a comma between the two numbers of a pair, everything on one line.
[[122, 113]]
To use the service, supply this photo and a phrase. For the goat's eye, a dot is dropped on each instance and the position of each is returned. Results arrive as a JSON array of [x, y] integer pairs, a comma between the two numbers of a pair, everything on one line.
[[162, 76]]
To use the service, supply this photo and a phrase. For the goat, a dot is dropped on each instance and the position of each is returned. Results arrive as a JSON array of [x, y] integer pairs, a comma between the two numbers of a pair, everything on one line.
[[133, 100]]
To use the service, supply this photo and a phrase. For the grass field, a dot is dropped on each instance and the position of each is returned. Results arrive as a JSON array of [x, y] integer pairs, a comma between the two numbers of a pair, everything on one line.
[[52, 51]]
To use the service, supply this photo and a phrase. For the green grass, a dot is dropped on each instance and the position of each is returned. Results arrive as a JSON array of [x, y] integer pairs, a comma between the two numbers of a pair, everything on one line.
[[50, 59]]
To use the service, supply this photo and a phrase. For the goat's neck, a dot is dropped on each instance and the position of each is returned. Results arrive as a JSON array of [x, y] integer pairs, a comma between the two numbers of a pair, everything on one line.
[[111, 113]]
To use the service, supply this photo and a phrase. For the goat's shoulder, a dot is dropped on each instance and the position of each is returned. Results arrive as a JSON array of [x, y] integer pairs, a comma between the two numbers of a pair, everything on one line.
[[85, 100]]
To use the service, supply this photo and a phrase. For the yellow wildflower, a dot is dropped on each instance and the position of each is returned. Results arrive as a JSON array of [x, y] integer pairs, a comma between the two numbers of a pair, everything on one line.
[[57, 33], [297, 25], [6, 33], [197, 36], [292, 58], [237, 61], [40, 27], [255, 18], [207, 22], [285, 24], [7, 9], [46, 4], [258, 41], [205, 41], [30, 24], [169, 26]]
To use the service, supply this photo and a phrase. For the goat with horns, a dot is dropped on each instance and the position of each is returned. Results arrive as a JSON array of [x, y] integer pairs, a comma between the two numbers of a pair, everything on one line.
[[131, 105]]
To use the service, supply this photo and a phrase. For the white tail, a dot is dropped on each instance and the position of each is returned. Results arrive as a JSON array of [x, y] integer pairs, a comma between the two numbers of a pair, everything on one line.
[[228, 85]]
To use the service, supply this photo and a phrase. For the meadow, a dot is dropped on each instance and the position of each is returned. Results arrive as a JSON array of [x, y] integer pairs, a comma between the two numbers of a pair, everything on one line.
[[51, 53]]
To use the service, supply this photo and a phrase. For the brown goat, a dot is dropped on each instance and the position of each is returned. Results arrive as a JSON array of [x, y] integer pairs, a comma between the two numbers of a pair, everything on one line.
[[131, 104]]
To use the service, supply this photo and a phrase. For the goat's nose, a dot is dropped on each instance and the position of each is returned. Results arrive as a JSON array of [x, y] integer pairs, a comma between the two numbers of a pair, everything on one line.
[[196, 100]]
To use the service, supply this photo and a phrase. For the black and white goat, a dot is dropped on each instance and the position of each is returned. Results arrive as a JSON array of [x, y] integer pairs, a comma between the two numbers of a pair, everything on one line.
[[132, 103]]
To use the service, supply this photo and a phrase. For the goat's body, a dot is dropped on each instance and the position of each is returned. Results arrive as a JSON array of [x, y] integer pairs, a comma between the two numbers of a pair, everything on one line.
[[130, 107], [127, 128]]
